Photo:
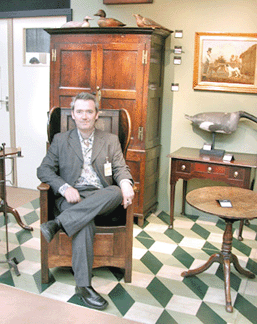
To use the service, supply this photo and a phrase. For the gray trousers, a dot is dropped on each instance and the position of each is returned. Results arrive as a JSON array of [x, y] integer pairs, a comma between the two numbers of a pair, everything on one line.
[[78, 222]]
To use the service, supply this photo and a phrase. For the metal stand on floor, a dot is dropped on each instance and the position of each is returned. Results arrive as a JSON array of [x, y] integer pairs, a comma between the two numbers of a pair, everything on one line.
[[13, 261]]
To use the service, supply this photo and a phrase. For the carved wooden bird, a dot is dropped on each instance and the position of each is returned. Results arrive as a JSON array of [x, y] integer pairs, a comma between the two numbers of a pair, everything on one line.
[[218, 122], [147, 22], [107, 22], [84, 23]]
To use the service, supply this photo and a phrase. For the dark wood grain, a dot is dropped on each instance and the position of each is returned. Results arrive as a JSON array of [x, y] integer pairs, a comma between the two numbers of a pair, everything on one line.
[[112, 242], [124, 68]]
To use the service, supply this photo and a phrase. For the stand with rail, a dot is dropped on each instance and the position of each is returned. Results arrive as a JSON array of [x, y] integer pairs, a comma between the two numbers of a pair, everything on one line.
[[3, 204]]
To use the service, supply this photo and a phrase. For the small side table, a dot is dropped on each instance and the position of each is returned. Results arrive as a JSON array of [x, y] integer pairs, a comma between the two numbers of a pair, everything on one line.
[[244, 207], [8, 153], [187, 164]]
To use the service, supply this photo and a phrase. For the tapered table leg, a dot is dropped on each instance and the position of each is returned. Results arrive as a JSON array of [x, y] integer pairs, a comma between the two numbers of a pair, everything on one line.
[[183, 212], [241, 225], [172, 201]]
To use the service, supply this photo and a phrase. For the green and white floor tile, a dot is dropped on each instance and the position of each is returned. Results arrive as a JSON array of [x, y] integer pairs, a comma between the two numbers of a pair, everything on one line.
[[158, 294]]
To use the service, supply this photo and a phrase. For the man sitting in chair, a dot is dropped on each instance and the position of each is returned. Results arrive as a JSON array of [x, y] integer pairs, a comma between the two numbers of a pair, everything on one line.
[[84, 165]]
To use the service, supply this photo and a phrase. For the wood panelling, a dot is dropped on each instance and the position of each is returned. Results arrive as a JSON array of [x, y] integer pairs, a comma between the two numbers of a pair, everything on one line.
[[124, 68]]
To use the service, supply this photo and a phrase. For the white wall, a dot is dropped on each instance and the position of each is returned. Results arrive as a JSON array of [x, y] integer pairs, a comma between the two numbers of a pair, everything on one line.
[[31, 86]]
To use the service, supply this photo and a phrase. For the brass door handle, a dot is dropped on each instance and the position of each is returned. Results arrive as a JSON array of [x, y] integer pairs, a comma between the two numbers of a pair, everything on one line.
[[6, 101]]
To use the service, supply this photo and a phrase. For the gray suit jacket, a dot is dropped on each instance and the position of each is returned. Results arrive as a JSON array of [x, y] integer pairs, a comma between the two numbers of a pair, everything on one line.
[[63, 162]]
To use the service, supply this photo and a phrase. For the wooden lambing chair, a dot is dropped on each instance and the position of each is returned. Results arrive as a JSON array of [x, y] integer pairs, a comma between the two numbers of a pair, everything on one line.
[[114, 233]]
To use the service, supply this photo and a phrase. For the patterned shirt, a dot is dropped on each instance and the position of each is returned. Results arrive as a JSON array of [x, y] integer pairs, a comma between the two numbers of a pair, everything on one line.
[[88, 175]]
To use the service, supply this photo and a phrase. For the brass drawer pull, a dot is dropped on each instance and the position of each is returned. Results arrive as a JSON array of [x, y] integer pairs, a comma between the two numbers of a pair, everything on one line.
[[209, 169], [235, 174], [183, 167]]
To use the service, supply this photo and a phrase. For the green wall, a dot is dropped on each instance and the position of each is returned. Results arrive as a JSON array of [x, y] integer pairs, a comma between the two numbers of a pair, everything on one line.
[[238, 16]]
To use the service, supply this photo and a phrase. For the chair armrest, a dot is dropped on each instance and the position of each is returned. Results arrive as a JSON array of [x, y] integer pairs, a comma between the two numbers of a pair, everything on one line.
[[130, 216], [44, 191], [130, 211], [43, 186]]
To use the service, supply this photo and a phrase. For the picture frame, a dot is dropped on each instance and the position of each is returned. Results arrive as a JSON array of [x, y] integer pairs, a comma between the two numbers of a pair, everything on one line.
[[126, 1], [225, 62], [36, 47]]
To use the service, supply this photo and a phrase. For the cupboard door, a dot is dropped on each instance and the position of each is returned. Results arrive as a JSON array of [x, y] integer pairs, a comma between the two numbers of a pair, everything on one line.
[[120, 79], [73, 70]]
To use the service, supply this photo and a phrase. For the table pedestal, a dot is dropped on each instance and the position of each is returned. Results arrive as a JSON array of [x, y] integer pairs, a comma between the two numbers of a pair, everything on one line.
[[225, 257], [9, 152]]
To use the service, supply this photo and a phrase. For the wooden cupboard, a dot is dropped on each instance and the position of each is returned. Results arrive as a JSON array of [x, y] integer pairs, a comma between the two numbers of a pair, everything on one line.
[[124, 68]]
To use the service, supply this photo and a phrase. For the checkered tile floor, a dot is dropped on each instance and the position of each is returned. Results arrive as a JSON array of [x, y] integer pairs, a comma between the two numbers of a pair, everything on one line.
[[158, 294]]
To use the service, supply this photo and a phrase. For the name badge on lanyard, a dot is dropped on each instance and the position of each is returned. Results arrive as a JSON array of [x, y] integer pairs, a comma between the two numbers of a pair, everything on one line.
[[107, 168]]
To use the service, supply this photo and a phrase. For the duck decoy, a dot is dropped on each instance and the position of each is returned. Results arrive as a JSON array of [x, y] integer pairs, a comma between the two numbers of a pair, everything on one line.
[[107, 22], [84, 23], [218, 122], [147, 22]]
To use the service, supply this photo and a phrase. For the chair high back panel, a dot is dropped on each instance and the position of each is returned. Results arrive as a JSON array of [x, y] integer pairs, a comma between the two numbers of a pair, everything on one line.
[[114, 234]]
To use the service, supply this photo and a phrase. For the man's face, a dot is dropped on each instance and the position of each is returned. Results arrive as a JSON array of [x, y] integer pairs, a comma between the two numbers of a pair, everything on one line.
[[84, 115]]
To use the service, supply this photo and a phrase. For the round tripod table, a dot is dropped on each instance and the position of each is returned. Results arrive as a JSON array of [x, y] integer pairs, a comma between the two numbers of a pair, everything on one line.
[[244, 207]]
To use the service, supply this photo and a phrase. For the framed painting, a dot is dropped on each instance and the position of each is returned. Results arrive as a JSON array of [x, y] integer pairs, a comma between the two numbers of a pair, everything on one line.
[[126, 1], [225, 62], [36, 47]]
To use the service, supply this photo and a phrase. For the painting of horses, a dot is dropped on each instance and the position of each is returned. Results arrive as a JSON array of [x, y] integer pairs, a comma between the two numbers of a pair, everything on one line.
[[225, 62]]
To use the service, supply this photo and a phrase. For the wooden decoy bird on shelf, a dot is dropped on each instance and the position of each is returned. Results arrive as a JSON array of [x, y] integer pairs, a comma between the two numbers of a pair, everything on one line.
[[107, 22], [220, 122], [84, 23], [149, 23]]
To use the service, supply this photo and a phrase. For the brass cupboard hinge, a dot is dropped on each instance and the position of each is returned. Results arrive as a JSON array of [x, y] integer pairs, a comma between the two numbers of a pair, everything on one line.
[[53, 55], [144, 57], [140, 133]]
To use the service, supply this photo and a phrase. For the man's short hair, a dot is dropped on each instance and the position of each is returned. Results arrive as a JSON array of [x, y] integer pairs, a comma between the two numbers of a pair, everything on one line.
[[85, 96]]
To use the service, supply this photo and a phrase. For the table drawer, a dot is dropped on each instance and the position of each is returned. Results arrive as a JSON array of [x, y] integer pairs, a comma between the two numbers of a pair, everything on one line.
[[231, 174], [236, 173], [210, 168], [183, 166]]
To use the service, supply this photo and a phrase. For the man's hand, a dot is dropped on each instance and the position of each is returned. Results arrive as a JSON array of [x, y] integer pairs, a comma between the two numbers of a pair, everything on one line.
[[127, 193], [72, 195]]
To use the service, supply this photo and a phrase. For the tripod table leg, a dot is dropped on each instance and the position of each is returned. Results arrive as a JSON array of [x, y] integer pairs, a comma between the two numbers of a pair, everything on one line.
[[240, 269], [214, 258], [18, 219]]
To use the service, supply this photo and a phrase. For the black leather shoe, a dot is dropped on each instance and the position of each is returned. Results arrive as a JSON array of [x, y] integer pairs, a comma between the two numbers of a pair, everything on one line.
[[91, 298], [50, 228]]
